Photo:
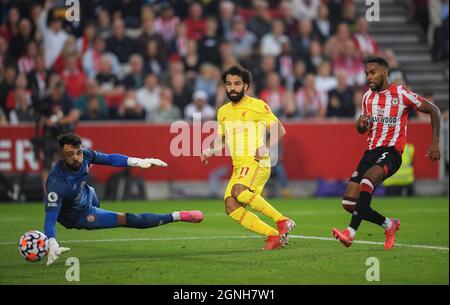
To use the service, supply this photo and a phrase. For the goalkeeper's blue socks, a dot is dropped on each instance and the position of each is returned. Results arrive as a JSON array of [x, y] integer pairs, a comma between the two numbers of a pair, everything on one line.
[[147, 220]]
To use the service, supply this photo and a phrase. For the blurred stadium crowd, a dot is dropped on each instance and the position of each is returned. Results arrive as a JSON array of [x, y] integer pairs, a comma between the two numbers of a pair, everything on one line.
[[161, 61]]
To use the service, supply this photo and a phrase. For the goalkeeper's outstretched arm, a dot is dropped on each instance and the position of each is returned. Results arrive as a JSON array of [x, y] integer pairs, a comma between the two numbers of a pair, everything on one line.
[[118, 160]]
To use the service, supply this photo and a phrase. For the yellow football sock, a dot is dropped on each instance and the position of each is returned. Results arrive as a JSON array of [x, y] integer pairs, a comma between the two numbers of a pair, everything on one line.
[[259, 204], [252, 222]]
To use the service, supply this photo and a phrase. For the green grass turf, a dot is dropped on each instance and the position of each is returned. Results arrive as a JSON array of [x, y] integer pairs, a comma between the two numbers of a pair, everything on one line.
[[216, 256]]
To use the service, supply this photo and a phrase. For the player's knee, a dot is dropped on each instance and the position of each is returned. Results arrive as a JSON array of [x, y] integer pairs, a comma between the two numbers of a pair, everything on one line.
[[237, 190], [349, 206], [230, 205]]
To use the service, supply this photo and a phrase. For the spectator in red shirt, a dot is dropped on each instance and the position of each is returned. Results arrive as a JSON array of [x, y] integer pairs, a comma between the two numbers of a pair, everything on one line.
[[73, 77], [365, 43], [195, 23]]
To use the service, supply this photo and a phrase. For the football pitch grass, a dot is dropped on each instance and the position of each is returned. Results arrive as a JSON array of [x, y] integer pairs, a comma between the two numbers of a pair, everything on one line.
[[219, 251]]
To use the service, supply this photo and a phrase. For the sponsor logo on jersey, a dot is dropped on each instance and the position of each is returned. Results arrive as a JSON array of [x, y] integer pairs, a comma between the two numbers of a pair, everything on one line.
[[395, 101], [383, 120]]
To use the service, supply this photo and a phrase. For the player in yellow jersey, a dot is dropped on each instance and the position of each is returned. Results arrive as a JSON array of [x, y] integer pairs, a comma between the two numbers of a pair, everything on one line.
[[249, 129]]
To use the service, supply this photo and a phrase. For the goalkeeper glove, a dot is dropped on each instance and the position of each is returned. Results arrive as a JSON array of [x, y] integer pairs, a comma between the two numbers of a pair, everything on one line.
[[54, 250], [145, 163]]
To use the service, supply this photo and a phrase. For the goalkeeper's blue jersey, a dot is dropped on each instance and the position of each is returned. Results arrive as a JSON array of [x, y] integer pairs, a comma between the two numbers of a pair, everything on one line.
[[68, 191]]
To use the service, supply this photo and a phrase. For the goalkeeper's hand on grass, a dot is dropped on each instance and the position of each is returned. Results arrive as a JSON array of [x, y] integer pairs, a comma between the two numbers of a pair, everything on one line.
[[54, 250], [145, 163]]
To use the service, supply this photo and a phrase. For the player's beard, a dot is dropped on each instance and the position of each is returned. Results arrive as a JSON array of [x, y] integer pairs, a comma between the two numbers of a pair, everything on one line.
[[237, 97], [377, 86], [73, 167]]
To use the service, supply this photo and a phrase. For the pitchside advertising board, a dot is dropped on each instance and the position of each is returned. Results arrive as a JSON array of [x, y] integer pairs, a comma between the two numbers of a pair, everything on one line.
[[310, 150]]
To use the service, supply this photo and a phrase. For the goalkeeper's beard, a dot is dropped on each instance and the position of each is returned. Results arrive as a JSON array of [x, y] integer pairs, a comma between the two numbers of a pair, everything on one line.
[[237, 97]]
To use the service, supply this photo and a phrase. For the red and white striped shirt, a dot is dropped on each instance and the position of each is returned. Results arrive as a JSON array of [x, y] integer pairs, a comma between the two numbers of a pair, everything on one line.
[[388, 114]]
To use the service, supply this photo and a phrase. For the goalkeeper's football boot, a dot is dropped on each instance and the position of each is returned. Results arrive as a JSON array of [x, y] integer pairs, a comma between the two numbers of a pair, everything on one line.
[[343, 236], [284, 227], [390, 234], [191, 216]]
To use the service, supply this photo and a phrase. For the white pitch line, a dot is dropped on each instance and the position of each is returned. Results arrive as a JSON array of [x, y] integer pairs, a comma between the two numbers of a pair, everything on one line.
[[235, 237]]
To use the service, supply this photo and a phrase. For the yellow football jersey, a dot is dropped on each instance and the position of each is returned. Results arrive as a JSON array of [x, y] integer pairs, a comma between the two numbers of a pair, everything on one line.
[[244, 126]]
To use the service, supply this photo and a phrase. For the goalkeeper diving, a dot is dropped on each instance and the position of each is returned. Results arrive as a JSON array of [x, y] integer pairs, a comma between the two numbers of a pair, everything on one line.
[[74, 204]]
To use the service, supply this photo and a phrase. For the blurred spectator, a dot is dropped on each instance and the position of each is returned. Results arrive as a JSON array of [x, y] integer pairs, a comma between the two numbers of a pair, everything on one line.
[[305, 9], [241, 39], [396, 74], [302, 39], [349, 15], [195, 23], [272, 42], [311, 103], [27, 61], [334, 46], [438, 29], [166, 112], [119, 43], [54, 35], [148, 96], [208, 46], [5, 57], [227, 58], [402, 182], [3, 119], [92, 58], [299, 75], [23, 37], [285, 64], [91, 89], [350, 62], [341, 100], [261, 23], [179, 44], [69, 49], [182, 93], [289, 110], [288, 18], [268, 65], [7, 84], [322, 26], [273, 93], [226, 14], [176, 66], [166, 23], [315, 57], [128, 10], [73, 77], [199, 106], [154, 59], [207, 81], [38, 79], [104, 24], [93, 110], [191, 61], [130, 109], [148, 33], [10, 28], [135, 79], [365, 43], [86, 41], [325, 82], [19, 102], [110, 86], [419, 12]]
